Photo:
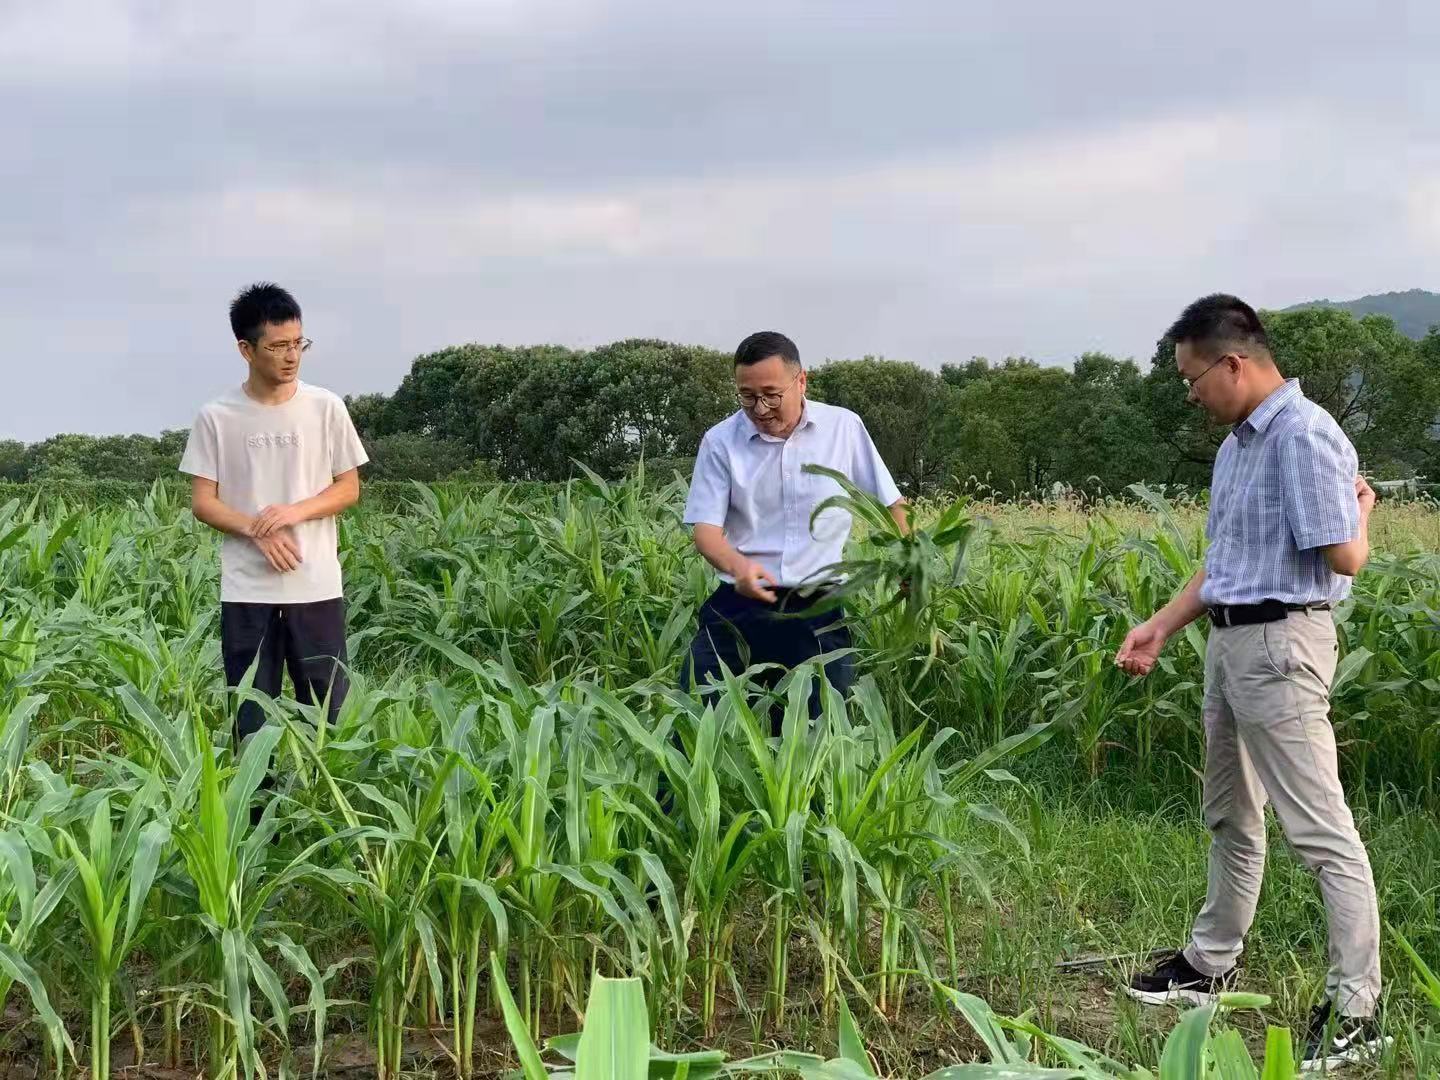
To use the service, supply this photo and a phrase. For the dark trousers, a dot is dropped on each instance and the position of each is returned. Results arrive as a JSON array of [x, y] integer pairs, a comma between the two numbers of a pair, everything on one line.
[[306, 639], [737, 631]]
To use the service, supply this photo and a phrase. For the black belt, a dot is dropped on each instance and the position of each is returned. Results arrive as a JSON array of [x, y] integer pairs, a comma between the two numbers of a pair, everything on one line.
[[789, 597], [1263, 612]]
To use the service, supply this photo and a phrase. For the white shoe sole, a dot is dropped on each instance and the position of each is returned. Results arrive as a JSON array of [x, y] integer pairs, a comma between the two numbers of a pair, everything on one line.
[[1349, 1056], [1173, 997]]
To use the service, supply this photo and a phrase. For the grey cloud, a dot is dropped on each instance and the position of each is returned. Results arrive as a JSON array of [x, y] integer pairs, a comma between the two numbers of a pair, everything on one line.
[[796, 157]]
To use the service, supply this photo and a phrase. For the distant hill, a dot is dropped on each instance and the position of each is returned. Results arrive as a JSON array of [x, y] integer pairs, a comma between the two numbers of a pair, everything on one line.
[[1414, 310]]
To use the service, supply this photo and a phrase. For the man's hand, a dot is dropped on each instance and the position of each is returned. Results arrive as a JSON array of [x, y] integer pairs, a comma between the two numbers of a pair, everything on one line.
[[748, 582], [1364, 495], [280, 550], [274, 518], [1137, 656]]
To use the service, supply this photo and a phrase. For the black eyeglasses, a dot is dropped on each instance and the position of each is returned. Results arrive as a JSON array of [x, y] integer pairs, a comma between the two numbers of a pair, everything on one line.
[[770, 401], [1191, 382]]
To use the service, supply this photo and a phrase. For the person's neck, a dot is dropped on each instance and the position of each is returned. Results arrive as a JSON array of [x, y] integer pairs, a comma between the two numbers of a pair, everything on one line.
[[790, 430], [265, 392], [1265, 385]]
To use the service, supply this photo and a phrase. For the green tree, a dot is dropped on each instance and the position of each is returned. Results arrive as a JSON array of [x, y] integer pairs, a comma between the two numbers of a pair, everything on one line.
[[1104, 434], [130, 458], [534, 411], [1185, 438], [370, 414], [1019, 400], [409, 455], [980, 449], [1429, 456], [1369, 376], [609, 406], [473, 395], [14, 460], [501, 394], [904, 407]]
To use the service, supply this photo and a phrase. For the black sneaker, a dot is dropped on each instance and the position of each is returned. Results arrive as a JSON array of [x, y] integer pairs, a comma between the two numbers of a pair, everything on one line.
[[1348, 1039], [1175, 982]]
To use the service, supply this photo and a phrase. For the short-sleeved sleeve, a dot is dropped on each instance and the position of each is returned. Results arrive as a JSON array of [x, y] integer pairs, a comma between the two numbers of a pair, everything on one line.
[[709, 498], [202, 449], [1318, 468], [868, 470], [346, 450]]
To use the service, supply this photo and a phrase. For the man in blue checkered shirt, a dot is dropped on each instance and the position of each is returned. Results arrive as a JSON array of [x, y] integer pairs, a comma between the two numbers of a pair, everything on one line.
[[1288, 530]]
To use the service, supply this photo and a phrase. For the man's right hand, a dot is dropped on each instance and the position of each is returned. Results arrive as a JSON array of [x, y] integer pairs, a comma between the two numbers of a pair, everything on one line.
[[1364, 495], [1137, 656], [280, 549], [750, 579]]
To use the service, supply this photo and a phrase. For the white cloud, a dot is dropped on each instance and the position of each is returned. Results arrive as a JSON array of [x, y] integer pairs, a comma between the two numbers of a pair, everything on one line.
[[1024, 200]]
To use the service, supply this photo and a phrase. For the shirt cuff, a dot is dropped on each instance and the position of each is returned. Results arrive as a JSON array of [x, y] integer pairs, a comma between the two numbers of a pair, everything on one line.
[[1318, 538]]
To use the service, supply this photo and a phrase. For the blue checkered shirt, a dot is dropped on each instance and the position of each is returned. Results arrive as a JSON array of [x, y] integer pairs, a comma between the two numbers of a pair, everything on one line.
[[1284, 487]]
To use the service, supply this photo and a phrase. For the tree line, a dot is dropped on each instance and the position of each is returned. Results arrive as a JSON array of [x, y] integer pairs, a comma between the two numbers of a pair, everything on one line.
[[488, 412]]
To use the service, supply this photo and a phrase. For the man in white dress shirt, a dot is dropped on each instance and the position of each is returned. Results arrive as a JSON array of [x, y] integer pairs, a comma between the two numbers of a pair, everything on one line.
[[750, 505]]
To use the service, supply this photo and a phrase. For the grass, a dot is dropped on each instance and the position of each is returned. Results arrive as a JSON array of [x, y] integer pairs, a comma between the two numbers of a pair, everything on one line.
[[1396, 527], [1121, 873]]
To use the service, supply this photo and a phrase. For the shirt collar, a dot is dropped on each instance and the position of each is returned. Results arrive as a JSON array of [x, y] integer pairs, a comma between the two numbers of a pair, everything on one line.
[[1272, 406], [806, 419]]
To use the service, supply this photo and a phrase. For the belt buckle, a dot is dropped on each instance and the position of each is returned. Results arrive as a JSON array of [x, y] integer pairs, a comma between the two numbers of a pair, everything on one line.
[[1218, 616]]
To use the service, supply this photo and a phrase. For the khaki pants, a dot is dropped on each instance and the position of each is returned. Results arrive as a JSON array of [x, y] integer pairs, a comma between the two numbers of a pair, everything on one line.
[[1268, 734]]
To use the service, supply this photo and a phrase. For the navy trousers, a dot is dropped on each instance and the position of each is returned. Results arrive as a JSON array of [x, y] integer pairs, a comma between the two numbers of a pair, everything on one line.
[[308, 640], [738, 631]]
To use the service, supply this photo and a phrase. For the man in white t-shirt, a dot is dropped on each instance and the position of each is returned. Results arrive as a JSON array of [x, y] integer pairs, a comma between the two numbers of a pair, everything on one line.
[[273, 462], [750, 504]]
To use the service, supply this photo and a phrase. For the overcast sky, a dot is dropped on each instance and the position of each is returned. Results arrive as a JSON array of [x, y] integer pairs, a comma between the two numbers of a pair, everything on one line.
[[928, 181]]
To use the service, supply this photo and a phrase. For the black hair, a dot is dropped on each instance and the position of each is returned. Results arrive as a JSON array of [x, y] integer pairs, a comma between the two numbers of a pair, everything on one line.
[[258, 305], [1219, 322], [765, 344]]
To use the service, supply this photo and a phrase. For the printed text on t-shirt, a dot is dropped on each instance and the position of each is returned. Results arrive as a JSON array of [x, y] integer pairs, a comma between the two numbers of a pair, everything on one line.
[[287, 438]]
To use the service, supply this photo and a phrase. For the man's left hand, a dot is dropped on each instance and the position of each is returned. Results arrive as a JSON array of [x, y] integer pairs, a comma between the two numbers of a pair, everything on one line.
[[271, 518]]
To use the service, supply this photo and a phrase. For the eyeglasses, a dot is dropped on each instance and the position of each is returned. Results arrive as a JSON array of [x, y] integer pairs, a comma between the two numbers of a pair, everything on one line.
[[1188, 383], [770, 401], [280, 348]]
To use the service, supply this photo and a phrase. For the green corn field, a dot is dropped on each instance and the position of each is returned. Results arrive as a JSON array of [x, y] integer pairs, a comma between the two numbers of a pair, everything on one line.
[[516, 802]]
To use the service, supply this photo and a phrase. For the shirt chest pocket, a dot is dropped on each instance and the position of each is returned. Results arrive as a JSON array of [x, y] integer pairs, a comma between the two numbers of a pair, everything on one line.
[[1257, 512]]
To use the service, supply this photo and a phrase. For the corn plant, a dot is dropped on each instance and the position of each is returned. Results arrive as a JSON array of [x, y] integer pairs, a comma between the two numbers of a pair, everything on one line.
[[468, 878], [32, 907], [614, 1043], [1196, 1048], [514, 771], [226, 859], [780, 779], [113, 876], [389, 878], [910, 564]]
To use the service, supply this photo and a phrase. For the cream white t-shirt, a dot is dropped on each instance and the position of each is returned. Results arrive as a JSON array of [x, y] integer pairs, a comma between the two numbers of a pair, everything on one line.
[[260, 455]]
